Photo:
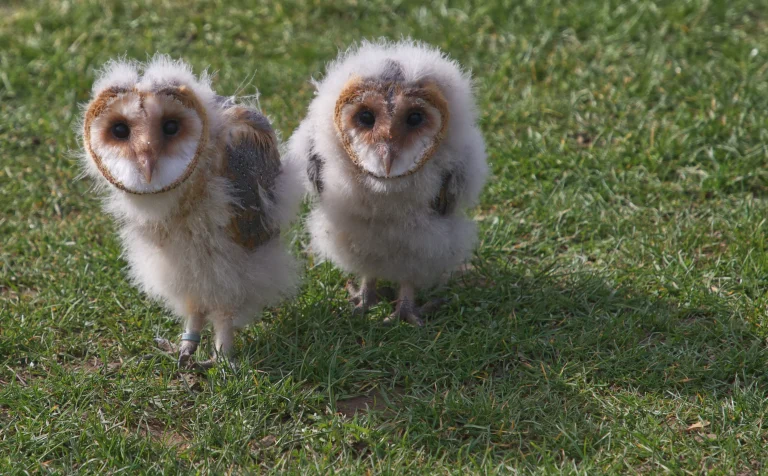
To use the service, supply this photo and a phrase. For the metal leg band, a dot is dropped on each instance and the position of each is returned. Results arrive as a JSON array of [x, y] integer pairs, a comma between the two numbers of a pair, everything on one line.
[[191, 336]]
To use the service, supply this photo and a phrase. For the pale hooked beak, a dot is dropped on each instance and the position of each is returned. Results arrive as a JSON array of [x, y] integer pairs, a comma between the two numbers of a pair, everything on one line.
[[385, 153], [147, 162]]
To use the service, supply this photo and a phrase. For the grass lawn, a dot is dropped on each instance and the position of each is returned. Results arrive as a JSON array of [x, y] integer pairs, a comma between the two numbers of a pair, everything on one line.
[[614, 320]]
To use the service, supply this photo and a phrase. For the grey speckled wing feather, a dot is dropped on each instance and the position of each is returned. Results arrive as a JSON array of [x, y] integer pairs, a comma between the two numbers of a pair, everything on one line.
[[315, 170], [252, 165], [445, 201]]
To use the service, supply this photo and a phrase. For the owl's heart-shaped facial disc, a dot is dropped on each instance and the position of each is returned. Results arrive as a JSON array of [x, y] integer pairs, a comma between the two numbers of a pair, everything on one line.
[[390, 129], [146, 142]]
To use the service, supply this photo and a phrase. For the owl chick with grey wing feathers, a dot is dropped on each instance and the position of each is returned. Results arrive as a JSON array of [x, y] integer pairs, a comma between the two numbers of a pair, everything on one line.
[[393, 156], [198, 191]]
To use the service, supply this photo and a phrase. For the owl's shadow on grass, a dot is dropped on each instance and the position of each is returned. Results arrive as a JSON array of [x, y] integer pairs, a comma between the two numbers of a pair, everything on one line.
[[513, 357]]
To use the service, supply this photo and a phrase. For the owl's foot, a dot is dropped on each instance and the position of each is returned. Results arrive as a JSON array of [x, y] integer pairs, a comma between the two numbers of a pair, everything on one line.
[[219, 360], [364, 297], [189, 343], [405, 311], [223, 343], [165, 345], [185, 350]]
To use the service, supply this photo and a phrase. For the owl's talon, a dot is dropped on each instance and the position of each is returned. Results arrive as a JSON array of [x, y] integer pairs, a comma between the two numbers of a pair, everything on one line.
[[184, 361], [165, 345], [413, 319], [405, 311], [391, 319], [206, 364], [218, 361], [362, 298], [186, 350], [359, 310]]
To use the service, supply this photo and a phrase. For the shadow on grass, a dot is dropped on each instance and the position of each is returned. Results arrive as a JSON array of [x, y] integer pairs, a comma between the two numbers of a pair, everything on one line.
[[519, 362]]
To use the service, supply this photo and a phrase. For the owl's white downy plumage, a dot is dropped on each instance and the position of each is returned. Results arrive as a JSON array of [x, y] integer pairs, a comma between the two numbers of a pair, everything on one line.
[[196, 185], [393, 157]]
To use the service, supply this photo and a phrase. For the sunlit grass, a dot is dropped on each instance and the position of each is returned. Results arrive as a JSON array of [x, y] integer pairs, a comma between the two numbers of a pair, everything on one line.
[[614, 320]]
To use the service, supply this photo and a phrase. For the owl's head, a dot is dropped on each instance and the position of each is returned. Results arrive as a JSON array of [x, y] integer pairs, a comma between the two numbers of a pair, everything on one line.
[[396, 105], [144, 133], [389, 127]]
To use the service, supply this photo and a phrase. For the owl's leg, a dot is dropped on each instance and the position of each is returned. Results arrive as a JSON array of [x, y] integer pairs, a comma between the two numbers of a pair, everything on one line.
[[363, 297], [405, 308], [190, 339], [224, 338]]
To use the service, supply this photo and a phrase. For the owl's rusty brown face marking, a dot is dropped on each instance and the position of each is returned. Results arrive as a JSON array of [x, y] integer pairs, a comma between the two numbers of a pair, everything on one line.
[[388, 127], [128, 132]]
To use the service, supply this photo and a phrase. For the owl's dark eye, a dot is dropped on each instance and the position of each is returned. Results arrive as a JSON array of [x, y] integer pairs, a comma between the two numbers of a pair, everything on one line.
[[171, 127], [121, 130], [414, 119], [366, 118]]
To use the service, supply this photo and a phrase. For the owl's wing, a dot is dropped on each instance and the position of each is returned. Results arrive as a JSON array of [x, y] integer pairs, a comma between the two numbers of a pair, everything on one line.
[[462, 183], [301, 153], [315, 170], [252, 164], [446, 200]]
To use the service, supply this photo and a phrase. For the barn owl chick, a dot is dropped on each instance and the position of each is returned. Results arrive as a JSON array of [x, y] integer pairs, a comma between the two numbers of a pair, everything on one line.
[[196, 185], [393, 156]]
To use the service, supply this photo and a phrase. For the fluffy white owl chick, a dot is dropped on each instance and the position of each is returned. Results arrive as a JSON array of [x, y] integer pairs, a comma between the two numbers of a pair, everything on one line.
[[196, 185], [393, 157]]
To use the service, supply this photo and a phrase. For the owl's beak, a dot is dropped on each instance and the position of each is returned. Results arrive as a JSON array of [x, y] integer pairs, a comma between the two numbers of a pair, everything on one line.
[[386, 157], [147, 165], [388, 163]]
